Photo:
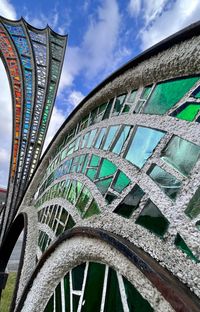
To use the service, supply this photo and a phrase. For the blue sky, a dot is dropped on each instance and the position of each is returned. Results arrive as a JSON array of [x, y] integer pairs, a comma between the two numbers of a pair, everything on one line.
[[103, 35]]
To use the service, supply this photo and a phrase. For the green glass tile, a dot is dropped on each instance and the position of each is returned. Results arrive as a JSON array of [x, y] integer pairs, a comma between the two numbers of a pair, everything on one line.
[[113, 301], [67, 293], [189, 113], [180, 243], [83, 200], [91, 138], [121, 140], [107, 168], [85, 164], [91, 173], [132, 96], [110, 137], [126, 109], [110, 197], [64, 215], [197, 224], [166, 181], [76, 299], [58, 298], [70, 223], [50, 305], [103, 185], [74, 192], [146, 92], [135, 301], [167, 94], [181, 154], [142, 145], [94, 161], [59, 230], [100, 138], [193, 208], [118, 104], [93, 288], [92, 210], [108, 109], [130, 202], [77, 277], [121, 181], [152, 219]]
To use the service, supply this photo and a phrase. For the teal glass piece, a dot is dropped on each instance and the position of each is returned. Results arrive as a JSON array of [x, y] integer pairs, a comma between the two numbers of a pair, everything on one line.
[[77, 277], [113, 297], [91, 138], [120, 182], [118, 104], [135, 301], [91, 173], [107, 168], [108, 109], [152, 219], [93, 288], [100, 138], [166, 181], [92, 210], [197, 224], [126, 109], [83, 200], [67, 293], [181, 154], [146, 92], [103, 185], [180, 243], [85, 164], [193, 208], [122, 139], [110, 197], [167, 94], [110, 137], [142, 145], [94, 161], [132, 96], [130, 202], [58, 298]]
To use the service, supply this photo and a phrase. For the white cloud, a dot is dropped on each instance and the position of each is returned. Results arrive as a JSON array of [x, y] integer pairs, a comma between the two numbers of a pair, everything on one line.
[[7, 10], [96, 54], [75, 98], [57, 119], [162, 18], [134, 7]]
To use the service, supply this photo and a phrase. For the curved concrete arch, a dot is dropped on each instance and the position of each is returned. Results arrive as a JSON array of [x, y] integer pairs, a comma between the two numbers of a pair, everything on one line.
[[164, 292]]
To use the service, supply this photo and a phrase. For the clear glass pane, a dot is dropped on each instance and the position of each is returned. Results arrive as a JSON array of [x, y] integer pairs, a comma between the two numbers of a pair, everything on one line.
[[118, 105], [91, 138], [181, 154], [122, 139], [167, 182], [143, 143], [110, 137], [100, 137]]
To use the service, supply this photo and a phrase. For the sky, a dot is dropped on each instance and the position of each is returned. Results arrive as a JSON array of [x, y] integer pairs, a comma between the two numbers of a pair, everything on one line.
[[103, 35]]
